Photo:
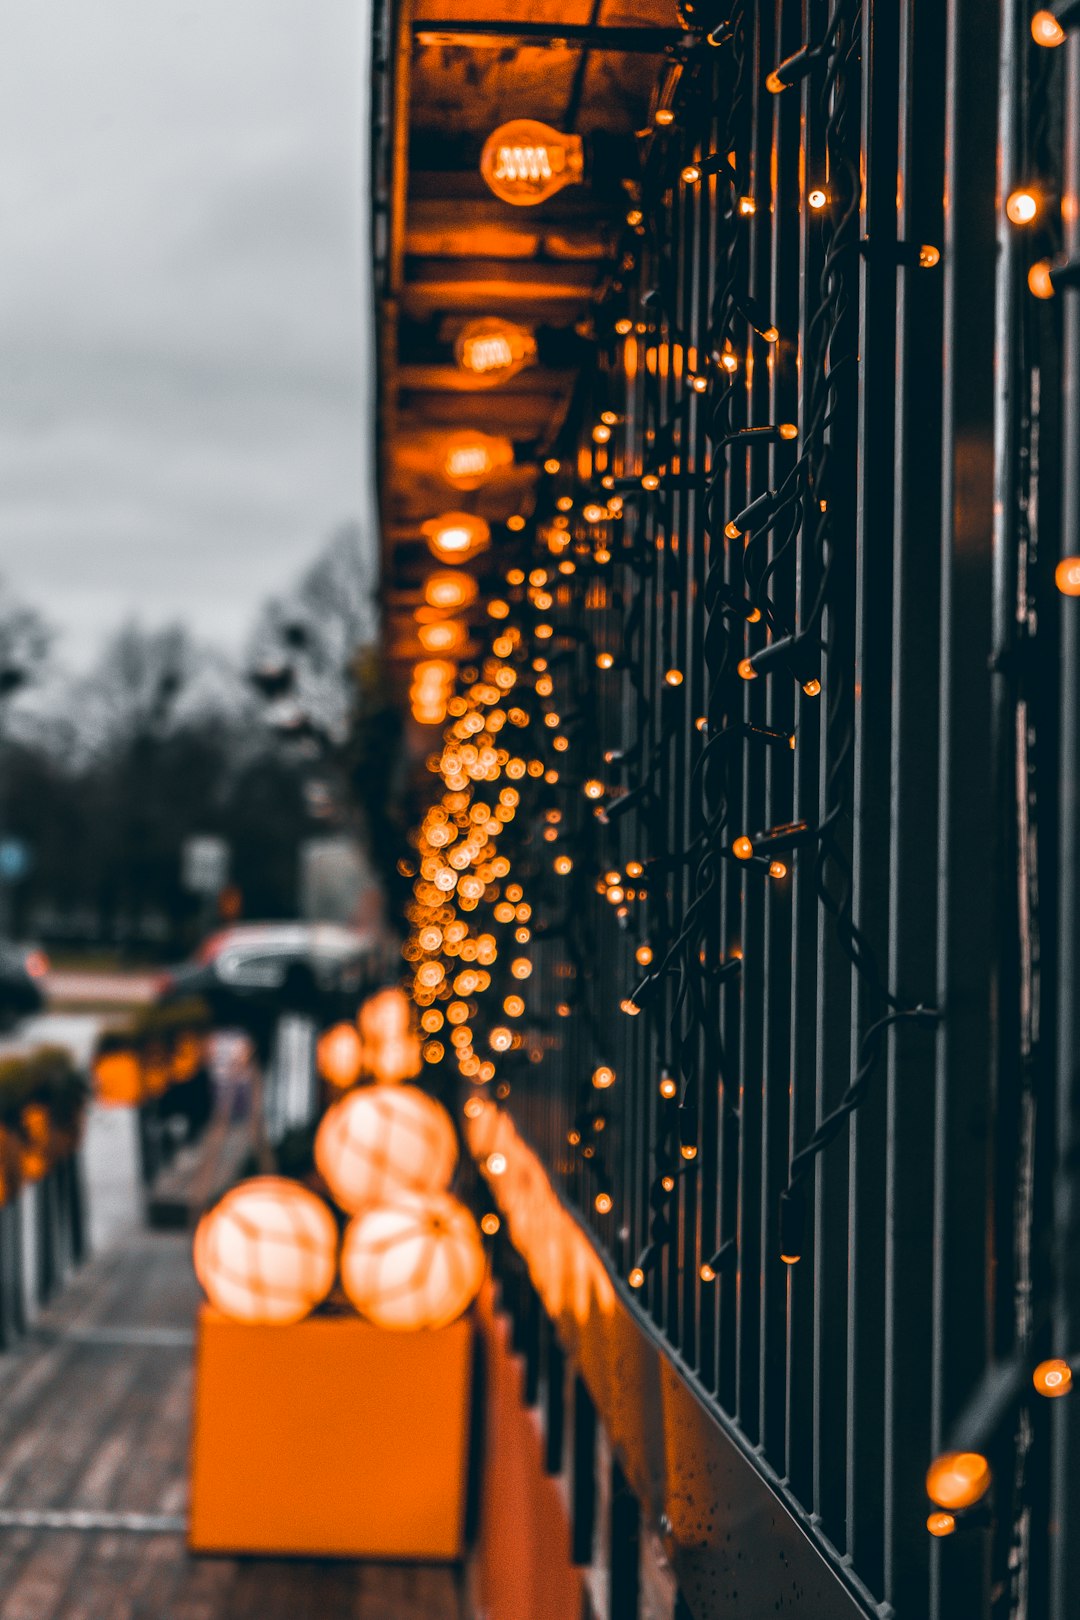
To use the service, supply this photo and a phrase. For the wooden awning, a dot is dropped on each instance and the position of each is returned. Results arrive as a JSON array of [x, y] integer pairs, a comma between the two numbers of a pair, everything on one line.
[[455, 253]]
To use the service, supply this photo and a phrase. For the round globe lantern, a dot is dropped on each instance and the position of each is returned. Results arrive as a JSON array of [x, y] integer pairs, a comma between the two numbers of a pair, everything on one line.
[[339, 1055], [382, 1139], [267, 1252], [416, 1262]]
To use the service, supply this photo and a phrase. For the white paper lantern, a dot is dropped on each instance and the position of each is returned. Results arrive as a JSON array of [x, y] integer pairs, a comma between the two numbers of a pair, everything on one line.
[[414, 1263], [267, 1252], [380, 1139]]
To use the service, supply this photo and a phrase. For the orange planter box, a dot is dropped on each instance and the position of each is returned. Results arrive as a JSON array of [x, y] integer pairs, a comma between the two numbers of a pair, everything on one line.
[[330, 1437]]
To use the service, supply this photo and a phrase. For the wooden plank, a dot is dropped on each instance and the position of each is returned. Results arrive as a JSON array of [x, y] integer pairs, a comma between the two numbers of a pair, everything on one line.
[[96, 1421]]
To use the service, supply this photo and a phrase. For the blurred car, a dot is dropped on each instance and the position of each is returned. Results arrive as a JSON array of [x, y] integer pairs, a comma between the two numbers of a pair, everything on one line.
[[256, 966], [22, 974]]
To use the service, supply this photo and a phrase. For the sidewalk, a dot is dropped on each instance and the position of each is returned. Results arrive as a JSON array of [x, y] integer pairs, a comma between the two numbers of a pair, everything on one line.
[[94, 1412]]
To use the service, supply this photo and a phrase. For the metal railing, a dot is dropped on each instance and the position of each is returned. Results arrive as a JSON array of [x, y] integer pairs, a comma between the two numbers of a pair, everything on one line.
[[839, 1016]]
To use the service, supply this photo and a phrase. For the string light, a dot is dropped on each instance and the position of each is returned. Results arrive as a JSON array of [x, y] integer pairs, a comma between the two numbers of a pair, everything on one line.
[[1053, 1378], [1067, 576], [1022, 206], [1046, 30], [958, 1479]]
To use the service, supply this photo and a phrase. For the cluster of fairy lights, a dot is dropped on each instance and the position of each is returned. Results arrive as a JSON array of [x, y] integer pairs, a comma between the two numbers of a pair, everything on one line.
[[502, 765]]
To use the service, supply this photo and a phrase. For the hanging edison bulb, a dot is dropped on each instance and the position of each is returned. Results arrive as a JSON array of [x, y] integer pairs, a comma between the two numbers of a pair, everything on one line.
[[492, 350], [525, 162], [447, 636], [449, 590], [456, 536], [469, 459]]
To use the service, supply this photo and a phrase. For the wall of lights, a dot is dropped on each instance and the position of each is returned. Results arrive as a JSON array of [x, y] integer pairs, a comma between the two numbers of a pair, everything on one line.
[[737, 886]]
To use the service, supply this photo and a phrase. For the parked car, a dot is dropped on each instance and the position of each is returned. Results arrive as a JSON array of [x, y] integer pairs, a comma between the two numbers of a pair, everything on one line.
[[22, 973], [258, 967]]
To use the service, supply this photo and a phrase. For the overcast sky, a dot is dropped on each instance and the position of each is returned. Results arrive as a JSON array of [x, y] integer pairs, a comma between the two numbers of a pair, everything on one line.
[[183, 303]]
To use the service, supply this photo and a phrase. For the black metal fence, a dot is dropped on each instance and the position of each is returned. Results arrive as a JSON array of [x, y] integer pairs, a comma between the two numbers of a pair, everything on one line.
[[802, 861], [832, 1048]]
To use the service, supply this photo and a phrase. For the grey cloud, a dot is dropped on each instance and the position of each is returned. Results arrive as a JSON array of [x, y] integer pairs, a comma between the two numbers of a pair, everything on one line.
[[183, 343]]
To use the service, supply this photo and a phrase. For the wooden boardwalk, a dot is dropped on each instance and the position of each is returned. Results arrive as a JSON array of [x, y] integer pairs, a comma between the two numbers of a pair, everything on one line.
[[94, 1412]]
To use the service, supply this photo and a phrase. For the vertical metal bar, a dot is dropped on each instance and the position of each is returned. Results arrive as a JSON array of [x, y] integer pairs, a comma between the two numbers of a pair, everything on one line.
[[962, 1281], [624, 1547], [870, 798], [583, 1476], [1065, 1554], [913, 818], [805, 979]]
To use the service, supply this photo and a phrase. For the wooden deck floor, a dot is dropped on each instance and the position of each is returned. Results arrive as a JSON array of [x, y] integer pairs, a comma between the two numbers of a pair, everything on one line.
[[93, 1449]]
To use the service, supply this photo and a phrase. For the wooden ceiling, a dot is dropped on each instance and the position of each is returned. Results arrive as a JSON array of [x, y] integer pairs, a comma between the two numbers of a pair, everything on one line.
[[456, 252]]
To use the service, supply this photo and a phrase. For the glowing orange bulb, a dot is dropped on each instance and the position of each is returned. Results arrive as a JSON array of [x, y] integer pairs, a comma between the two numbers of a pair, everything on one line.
[[729, 362], [563, 864], [812, 688], [1052, 1378], [457, 536], [601, 433], [674, 677], [636, 1277], [471, 458], [650, 481], [1039, 279], [624, 326], [706, 1273], [498, 609], [593, 789], [742, 848], [1046, 30], [956, 1479], [940, 1524], [775, 85], [788, 430], [489, 1225], [668, 1183], [604, 660], [688, 1151], [817, 198], [732, 530], [445, 636], [747, 670], [602, 1203], [473, 1108], [593, 513], [501, 1039], [668, 1087], [492, 349], [629, 1006], [513, 1006], [634, 216], [928, 256], [521, 967], [1067, 576], [1021, 207], [777, 869], [643, 955], [495, 1164], [449, 590], [691, 174], [771, 334], [747, 206], [603, 1077], [525, 162], [663, 116]]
